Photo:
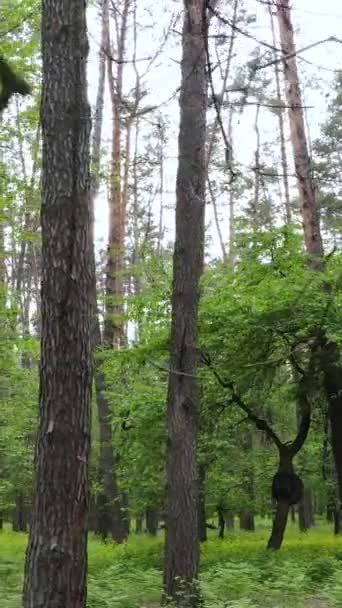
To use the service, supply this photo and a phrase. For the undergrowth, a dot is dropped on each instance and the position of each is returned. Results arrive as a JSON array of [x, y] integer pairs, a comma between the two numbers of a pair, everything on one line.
[[235, 573]]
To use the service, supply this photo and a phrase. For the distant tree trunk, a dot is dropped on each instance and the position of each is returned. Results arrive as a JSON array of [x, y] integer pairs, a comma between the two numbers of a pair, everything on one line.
[[109, 505], [139, 523], [56, 561], [337, 520], [152, 520], [221, 521], [247, 516], [182, 542], [305, 511], [229, 519], [330, 352], [247, 522], [20, 515], [202, 520], [284, 163], [114, 335]]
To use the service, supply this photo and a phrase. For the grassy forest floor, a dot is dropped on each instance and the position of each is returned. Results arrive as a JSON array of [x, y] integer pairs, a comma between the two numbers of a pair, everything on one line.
[[235, 573]]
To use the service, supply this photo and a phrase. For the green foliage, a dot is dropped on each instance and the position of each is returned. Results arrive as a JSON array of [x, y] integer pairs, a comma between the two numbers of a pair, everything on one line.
[[238, 573]]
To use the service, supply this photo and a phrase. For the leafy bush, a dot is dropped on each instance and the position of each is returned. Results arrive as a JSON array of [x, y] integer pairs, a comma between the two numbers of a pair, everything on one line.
[[321, 570]]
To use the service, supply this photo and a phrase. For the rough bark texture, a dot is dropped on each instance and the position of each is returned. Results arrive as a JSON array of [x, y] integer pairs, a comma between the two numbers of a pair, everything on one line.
[[331, 365], [56, 562], [182, 543]]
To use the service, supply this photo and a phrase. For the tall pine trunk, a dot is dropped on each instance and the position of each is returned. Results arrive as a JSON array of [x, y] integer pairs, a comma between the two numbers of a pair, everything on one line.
[[56, 562], [182, 542], [108, 507], [330, 360]]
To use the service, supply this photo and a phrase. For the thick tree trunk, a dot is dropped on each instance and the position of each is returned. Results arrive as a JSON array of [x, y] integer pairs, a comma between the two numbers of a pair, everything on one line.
[[152, 520], [182, 542], [56, 562], [279, 525]]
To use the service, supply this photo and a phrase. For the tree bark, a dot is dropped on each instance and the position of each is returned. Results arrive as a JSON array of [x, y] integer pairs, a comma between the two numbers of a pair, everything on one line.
[[182, 542], [152, 520], [20, 519], [283, 152], [109, 507], [247, 522], [305, 511], [302, 162], [56, 562], [330, 353], [229, 519], [139, 523], [221, 521], [279, 525], [202, 520], [114, 336]]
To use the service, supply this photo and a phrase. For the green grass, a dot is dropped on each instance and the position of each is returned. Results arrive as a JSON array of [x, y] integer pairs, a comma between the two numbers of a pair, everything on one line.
[[235, 573]]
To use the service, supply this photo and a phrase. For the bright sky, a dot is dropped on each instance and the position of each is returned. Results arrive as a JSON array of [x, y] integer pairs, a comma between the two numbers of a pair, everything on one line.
[[313, 20]]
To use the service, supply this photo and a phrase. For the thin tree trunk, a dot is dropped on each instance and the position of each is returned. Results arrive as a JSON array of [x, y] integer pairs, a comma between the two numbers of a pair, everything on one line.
[[182, 542], [330, 352], [256, 196], [305, 511], [109, 509], [283, 153], [56, 562], [309, 211], [229, 519], [19, 516], [139, 523], [202, 520], [221, 521], [113, 327], [224, 96]]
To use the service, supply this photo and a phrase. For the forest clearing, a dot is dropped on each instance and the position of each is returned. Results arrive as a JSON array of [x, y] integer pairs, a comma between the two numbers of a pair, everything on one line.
[[170, 304]]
